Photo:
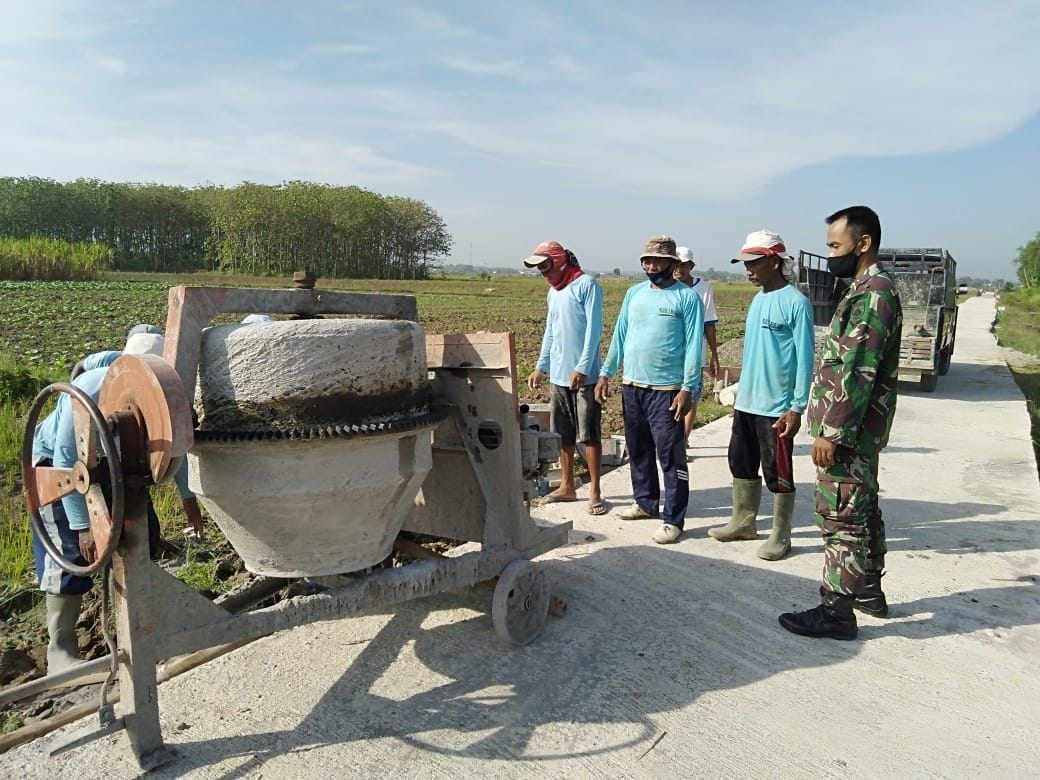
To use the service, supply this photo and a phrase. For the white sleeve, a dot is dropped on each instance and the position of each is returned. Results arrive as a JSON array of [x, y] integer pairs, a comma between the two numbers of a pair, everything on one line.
[[708, 299]]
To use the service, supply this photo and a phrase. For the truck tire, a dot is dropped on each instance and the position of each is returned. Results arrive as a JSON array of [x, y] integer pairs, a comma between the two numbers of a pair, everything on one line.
[[928, 382], [945, 359]]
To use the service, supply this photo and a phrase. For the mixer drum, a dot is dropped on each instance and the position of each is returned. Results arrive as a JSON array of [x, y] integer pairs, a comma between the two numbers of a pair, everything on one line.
[[313, 440]]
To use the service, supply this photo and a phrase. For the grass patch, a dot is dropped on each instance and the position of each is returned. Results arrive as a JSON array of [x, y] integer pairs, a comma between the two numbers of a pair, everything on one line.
[[1018, 327], [47, 258], [11, 720], [200, 575]]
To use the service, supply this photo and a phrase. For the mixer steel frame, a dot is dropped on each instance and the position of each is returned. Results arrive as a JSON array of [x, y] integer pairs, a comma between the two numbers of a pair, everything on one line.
[[474, 492]]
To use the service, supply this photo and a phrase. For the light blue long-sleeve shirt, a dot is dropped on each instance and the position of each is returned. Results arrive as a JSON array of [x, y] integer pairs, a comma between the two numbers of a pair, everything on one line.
[[659, 337], [573, 328], [777, 366], [55, 438], [100, 359]]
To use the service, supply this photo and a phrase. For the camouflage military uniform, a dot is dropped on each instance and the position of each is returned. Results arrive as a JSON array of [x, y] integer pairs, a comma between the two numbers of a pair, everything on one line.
[[852, 403]]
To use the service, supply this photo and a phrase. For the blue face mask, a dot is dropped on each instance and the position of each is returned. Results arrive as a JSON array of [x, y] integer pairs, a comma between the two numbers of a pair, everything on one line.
[[661, 278]]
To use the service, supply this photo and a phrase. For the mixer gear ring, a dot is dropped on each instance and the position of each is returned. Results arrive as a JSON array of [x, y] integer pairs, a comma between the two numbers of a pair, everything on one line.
[[330, 431]]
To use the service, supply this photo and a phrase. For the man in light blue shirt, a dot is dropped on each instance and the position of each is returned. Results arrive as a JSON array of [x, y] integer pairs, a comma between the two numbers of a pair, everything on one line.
[[66, 521], [658, 338], [570, 358], [775, 374]]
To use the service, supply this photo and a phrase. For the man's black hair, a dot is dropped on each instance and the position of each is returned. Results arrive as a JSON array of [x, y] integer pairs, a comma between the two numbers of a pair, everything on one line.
[[861, 221]]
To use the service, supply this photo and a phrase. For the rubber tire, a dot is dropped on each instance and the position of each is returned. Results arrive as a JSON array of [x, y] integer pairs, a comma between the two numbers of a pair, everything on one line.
[[945, 359], [928, 382]]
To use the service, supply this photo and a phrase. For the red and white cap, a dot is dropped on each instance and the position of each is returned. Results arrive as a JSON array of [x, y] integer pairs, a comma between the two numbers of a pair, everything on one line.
[[761, 243], [547, 250]]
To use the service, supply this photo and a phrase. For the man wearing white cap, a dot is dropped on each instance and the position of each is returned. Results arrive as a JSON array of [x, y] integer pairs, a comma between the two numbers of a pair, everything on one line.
[[711, 348], [775, 374], [67, 521]]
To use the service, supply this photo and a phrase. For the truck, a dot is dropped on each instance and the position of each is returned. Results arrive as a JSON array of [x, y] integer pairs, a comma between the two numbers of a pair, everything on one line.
[[926, 280], [927, 284]]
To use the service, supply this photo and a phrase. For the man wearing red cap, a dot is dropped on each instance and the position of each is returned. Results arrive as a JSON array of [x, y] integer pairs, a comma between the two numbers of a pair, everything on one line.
[[570, 357]]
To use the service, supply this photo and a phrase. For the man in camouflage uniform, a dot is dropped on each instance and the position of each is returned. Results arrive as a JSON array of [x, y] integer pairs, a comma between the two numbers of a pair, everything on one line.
[[851, 406]]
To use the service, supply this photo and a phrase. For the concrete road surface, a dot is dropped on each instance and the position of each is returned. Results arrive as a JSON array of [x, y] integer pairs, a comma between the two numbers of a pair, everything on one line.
[[670, 662]]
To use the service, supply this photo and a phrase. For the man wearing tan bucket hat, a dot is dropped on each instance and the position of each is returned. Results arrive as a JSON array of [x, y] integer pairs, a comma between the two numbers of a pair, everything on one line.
[[658, 338]]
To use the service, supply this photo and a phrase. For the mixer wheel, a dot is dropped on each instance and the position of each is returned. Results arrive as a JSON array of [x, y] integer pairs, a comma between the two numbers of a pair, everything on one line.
[[44, 485], [520, 606]]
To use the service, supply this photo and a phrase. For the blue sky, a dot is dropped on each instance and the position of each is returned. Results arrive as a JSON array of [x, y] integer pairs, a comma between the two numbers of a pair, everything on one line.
[[593, 125]]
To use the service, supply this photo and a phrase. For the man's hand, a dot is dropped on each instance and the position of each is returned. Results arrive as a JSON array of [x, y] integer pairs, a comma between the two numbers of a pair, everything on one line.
[[788, 424], [680, 405], [823, 452], [577, 380], [534, 379], [602, 392], [191, 509], [86, 546], [713, 366]]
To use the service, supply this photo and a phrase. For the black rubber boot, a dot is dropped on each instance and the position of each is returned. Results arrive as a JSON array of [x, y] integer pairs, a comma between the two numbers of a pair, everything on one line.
[[872, 600], [833, 619]]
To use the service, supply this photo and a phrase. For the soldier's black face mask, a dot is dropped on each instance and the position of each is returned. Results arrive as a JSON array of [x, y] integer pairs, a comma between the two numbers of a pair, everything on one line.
[[843, 266]]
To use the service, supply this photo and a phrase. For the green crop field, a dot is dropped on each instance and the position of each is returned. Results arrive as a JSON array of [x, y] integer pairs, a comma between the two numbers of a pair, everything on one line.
[[45, 327]]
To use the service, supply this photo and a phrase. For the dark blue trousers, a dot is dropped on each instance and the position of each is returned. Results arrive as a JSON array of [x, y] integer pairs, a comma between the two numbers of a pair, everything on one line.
[[652, 434]]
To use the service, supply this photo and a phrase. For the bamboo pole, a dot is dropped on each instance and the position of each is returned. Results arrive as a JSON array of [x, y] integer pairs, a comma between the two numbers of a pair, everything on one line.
[[170, 669]]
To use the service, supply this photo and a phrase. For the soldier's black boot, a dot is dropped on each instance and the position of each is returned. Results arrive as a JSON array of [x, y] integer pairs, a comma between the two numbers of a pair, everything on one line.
[[833, 619], [872, 600]]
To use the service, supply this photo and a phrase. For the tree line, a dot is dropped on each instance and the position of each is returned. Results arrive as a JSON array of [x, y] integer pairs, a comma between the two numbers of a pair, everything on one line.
[[258, 229], [1028, 262]]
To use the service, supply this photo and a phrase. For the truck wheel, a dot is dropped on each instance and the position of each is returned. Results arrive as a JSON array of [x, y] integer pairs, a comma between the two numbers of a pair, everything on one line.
[[928, 382], [945, 359]]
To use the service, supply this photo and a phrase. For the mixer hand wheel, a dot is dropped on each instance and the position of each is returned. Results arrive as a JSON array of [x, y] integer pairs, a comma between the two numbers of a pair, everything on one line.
[[45, 485]]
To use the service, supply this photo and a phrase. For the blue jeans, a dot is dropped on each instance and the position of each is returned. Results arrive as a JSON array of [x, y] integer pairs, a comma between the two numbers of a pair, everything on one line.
[[653, 434], [50, 577]]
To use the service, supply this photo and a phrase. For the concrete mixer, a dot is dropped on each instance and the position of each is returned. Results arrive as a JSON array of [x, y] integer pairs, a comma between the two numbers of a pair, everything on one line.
[[312, 442]]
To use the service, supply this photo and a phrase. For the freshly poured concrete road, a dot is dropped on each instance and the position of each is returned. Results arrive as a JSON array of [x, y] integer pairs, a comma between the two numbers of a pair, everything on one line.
[[670, 662]]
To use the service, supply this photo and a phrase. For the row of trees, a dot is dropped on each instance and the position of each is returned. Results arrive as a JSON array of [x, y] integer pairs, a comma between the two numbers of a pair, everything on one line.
[[251, 228], [1028, 262]]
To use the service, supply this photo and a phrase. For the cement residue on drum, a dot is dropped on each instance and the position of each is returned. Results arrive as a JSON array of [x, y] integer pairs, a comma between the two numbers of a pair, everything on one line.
[[311, 372]]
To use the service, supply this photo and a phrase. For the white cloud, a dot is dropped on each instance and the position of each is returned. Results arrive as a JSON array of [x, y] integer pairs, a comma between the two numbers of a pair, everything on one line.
[[609, 104], [182, 159], [341, 48], [511, 68], [113, 65], [926, 78], [437, 23]]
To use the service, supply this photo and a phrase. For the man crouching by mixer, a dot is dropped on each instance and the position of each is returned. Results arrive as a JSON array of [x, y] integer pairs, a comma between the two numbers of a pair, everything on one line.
[[66, 521]]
